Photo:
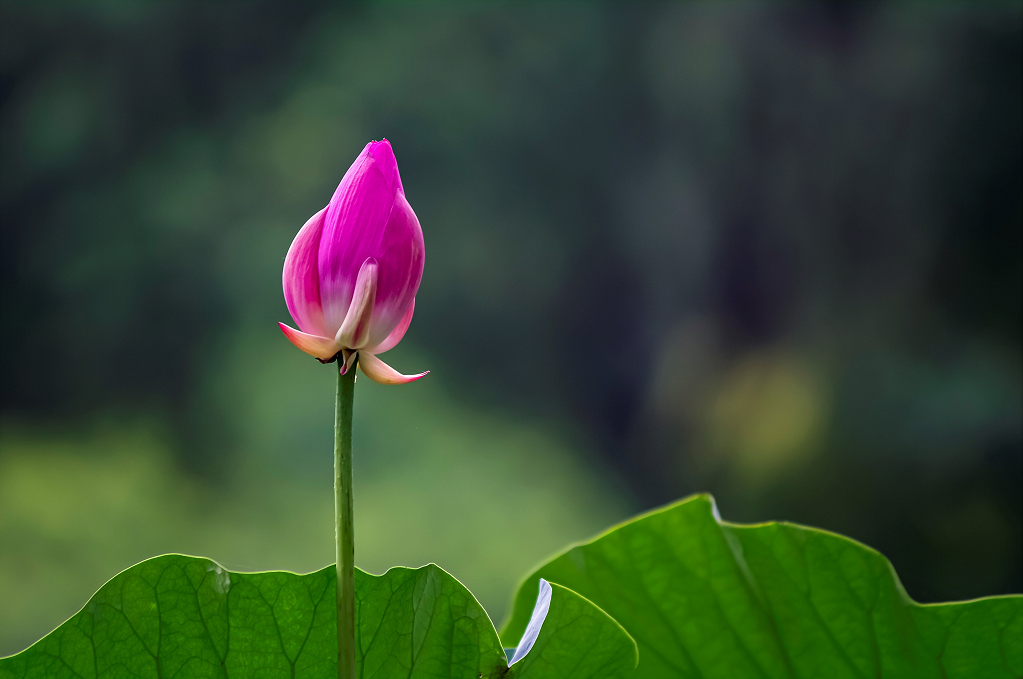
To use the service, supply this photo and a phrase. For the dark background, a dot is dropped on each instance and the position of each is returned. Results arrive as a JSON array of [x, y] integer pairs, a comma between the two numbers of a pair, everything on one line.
[[769, 252]]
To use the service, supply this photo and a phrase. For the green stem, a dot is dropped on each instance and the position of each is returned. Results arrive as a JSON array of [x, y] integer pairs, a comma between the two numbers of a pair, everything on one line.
[[344, 532]]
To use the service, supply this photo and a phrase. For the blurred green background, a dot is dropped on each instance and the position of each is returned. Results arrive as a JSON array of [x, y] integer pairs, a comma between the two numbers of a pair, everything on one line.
[[768, 251]]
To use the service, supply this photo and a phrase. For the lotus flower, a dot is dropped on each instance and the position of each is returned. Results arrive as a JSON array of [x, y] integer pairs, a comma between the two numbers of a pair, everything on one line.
[[352, 272]]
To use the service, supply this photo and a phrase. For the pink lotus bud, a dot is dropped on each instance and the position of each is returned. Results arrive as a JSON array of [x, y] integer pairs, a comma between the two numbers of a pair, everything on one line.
[[352, 272]]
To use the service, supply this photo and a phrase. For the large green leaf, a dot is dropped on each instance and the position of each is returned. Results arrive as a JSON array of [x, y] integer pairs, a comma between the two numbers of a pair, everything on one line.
[[181, 617], [708, 599]]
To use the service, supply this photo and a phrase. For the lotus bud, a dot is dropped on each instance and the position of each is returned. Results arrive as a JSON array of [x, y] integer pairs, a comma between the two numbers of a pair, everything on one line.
[[352, 272]]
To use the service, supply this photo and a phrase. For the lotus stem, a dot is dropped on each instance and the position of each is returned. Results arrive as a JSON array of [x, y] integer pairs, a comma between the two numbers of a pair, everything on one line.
[[344, 532]]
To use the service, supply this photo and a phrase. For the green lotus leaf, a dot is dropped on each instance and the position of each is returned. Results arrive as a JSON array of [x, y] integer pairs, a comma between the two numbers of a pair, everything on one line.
[[186, 617], [708, 599]]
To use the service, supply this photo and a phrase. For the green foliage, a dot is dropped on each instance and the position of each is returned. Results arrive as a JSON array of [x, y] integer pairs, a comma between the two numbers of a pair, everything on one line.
[[182, 616], [699, 597], [704, 598], [420, 623], [578, 641]]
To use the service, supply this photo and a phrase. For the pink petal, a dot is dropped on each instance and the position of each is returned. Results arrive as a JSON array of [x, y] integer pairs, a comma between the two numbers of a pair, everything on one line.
[[302, 278], [353, 226], [380, 372], [399, 331], [320, 347], [355, 329], [370, 217], [401, 258], [383, 154]]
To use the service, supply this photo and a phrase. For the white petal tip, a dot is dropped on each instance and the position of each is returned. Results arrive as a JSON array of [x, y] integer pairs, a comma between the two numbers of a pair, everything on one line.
[[318, 347], [380, 372]]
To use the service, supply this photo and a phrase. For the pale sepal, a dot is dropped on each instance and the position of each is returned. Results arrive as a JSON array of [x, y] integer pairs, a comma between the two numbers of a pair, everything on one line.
[[380, 372], [322, 348]]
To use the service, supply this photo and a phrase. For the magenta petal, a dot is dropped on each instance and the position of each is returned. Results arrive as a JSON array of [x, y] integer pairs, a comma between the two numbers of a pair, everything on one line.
[[399, 331], [301, 277], [401, 258], [355, 329], [354, 226], [383, 156], [380, 372], [320, 347]]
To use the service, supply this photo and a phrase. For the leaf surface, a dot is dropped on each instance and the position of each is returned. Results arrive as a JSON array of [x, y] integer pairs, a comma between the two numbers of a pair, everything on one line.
[[183, 617], [705, 599], [577, 640]]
